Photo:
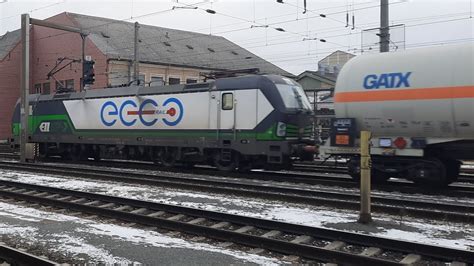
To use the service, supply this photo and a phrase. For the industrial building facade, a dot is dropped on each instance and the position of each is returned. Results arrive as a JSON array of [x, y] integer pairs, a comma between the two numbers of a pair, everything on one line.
[[167, 56]]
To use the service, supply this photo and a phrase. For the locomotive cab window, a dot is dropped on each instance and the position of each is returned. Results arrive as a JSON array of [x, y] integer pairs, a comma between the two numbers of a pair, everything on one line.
[[227, 101]]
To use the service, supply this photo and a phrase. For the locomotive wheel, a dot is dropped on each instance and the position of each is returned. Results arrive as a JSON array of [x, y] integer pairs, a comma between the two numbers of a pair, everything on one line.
[[167, 161], [225, 166], [245, 166], [168, 158], [187, 165], [76, 154]]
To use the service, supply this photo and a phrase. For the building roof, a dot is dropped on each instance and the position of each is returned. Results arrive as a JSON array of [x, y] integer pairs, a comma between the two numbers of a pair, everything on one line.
[[8, 41], [337, 54], [166, 46], [329, 78]]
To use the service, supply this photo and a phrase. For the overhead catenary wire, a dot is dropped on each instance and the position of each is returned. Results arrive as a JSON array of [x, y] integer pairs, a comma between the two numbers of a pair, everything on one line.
[[250, 47], [149, 14], [328, 36]]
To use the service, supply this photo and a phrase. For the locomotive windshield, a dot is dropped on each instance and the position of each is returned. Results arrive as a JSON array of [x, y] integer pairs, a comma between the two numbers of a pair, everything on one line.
[[293, 97]]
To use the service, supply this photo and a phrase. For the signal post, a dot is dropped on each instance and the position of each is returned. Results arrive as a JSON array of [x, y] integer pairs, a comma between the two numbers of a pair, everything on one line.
[[365, 215]]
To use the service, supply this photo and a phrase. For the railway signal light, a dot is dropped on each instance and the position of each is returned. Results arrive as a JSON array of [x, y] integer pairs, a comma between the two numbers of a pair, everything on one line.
[[88, 72]]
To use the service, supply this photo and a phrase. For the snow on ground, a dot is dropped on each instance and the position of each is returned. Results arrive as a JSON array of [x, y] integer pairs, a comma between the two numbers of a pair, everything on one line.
[[375, 192], [454, 235], [78, 237]]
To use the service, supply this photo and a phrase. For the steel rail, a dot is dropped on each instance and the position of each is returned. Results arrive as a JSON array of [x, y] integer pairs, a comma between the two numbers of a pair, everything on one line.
[[453, 190], [396, 206], [13, 256], [153, 214]]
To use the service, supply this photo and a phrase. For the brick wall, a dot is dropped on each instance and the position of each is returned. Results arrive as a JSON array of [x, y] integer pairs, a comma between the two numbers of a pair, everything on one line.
[[46, 46], [10, 69], [51, 44]]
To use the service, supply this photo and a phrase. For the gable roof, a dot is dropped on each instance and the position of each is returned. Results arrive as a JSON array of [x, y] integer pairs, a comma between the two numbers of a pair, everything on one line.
[[338, 52], [158, 45], [329, 78], [8, 42]]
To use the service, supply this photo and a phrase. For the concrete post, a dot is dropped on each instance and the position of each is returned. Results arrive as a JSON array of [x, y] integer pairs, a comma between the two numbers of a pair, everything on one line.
[[24, 84], [365, 168]]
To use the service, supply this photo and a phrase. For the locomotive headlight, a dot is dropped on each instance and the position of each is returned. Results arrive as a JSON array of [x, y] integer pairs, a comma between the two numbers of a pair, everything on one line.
[[281, 129]]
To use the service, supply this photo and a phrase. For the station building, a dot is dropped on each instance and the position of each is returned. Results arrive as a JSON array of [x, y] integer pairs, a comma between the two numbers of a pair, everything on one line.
[[167, 56]]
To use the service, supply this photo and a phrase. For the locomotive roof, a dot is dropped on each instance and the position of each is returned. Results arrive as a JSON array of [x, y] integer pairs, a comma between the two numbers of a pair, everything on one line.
[[234, 83]]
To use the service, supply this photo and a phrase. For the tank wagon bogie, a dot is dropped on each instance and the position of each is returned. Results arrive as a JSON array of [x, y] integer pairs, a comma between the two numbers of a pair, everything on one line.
[[419, 106], [233, 123]]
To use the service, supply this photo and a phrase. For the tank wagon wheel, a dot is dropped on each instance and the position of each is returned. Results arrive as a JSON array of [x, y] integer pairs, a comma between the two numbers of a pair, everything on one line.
[[432, 173], [377, 177], [453, 168]]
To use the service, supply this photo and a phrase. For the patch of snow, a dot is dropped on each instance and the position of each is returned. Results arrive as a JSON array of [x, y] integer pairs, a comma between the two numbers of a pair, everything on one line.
[[67, 242], [454, 235]]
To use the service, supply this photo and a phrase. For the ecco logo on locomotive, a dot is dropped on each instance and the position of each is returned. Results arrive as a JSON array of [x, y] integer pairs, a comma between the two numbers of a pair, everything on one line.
[[387, 80], [147, 112]]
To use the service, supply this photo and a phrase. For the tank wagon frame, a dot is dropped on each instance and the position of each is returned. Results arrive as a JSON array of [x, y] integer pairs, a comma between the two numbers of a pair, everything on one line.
[[419, 106], [233, 123]]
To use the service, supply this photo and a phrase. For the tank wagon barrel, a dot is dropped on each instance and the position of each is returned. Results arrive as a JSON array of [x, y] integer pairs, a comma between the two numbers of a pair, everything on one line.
[[419, 106], [234, 123]]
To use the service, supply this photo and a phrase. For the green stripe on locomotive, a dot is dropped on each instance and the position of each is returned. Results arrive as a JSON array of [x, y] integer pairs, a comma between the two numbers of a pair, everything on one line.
[[35, 122]]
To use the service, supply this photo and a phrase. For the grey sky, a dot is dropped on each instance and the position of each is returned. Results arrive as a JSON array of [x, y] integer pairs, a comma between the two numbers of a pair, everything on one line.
[[426, 22]]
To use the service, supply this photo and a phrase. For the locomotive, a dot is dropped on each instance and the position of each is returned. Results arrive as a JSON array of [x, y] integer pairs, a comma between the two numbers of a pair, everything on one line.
[[236, 123], [419, 106]]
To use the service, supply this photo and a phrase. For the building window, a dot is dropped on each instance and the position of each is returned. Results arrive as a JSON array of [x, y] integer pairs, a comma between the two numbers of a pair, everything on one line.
[[141, 78], [38, 88], [46, 88], [227, 101], [157, 81], [173, 81], [191, 80], [70, 84], [60, 84]]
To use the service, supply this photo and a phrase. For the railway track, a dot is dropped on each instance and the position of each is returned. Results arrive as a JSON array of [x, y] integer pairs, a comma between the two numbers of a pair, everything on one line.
[[460, 212], [9, 155], [13, 256], [310, 243], [333, 180], [467, 174]]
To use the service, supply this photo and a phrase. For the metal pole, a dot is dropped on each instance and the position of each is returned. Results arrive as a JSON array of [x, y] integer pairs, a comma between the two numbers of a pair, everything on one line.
[[54, 25], [365, 167], [24, 84], [136, 57], [83, 36], [384, 27]]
